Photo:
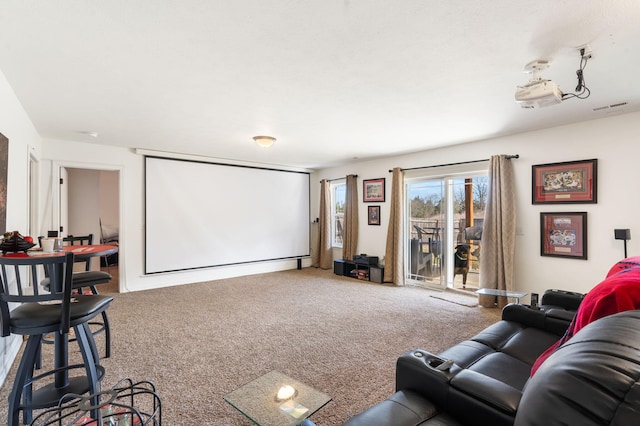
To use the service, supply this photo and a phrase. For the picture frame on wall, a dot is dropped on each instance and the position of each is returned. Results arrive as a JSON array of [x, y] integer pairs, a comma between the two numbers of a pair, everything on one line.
[[373, 215], [565, 183], [373, 190], [563, 235]]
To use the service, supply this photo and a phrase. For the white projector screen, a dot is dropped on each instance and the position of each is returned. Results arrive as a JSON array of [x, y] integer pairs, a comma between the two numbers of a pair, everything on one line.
[[200, 215]]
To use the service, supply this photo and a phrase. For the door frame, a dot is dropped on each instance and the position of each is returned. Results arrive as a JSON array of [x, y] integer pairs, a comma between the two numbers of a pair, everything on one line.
[[56, 166]]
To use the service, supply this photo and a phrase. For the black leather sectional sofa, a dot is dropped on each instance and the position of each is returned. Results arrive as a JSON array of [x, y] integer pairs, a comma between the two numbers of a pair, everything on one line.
[[592, 379]]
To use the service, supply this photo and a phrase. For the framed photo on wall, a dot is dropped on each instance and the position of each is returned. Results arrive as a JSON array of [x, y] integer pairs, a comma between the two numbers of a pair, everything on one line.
[[563, 235], [373, 215], [564, 183], [373, 190]]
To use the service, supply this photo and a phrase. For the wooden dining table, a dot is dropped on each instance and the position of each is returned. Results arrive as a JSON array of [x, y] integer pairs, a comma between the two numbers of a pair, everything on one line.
[[61, 341]]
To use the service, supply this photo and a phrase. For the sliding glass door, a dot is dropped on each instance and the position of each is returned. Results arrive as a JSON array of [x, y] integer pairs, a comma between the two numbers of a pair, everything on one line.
[[425, 220], [444, 229]]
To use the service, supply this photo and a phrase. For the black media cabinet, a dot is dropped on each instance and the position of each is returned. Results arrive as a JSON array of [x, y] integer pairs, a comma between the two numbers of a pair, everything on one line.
[[348, 268]]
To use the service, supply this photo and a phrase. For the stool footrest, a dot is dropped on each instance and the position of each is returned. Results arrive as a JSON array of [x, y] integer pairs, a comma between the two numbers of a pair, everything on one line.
[[50, 395]]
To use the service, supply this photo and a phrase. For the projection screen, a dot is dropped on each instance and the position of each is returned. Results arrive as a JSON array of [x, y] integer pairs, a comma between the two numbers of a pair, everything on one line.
[[200, 215]]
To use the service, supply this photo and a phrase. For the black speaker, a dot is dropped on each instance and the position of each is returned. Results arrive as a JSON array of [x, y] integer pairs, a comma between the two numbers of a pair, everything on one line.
[[622, 234], [339, 267]]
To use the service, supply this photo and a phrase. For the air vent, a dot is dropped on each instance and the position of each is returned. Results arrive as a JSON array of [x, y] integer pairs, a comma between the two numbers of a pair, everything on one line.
[[606, 107], [618, 105]]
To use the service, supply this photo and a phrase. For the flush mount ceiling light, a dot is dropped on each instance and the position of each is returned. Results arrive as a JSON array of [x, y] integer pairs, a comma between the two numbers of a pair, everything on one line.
[[264, 141]]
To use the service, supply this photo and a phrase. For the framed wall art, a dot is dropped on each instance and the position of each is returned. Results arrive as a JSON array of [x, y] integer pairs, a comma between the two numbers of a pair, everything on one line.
[[563, 235], [373, 190], [564, 183], [373, 215]]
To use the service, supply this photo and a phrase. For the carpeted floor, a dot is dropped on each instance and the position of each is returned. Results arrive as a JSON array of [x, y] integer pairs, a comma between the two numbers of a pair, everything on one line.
[[342, 336]]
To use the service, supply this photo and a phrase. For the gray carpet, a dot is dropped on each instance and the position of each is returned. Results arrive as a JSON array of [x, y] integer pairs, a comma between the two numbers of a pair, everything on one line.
[[342, 336]]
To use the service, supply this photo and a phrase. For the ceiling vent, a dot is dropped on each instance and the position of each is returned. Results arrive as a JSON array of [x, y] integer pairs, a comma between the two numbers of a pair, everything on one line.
[[610, 107]]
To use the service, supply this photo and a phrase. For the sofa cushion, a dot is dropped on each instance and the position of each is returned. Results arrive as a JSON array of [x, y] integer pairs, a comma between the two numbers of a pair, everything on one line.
[[505, 351], [497, 335], [466, 353], [528, 345], [503, 368]]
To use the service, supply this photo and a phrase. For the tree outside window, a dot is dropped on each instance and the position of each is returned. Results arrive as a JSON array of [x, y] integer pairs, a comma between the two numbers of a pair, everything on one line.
[[339, 192]]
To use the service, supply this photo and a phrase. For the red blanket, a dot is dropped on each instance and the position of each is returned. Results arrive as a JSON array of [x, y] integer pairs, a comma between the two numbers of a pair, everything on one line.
[[620, 291]]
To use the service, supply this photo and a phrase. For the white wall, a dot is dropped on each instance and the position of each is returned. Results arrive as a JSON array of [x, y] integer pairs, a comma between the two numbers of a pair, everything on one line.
[[58, 153], [613, 141], [84, 203], [23, 140], [109, 198]]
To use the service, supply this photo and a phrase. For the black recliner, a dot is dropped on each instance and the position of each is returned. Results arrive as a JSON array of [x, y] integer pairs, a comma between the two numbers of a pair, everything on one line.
[[593, 379], [486, 379]]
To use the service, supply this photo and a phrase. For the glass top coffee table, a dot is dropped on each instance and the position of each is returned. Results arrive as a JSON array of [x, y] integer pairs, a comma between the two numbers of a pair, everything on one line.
[[276, 399], [506, 293]]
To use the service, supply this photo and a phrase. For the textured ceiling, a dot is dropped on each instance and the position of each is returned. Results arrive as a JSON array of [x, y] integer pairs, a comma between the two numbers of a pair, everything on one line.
[[332, 80]]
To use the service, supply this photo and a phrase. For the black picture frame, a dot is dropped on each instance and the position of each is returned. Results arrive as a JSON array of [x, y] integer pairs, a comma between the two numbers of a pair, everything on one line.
[[563, 234], [373, 215], [565, 183]]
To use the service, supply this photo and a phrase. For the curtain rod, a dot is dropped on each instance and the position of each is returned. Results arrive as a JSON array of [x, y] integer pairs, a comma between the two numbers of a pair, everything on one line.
[[509, 157], [331, 180]]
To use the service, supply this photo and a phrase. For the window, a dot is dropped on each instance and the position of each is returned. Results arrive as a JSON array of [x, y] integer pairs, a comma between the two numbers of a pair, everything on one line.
[[442, 214], [338, 199]]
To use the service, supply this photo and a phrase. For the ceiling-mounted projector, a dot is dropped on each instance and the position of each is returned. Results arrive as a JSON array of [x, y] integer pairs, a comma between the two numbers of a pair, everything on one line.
[[538, 93]]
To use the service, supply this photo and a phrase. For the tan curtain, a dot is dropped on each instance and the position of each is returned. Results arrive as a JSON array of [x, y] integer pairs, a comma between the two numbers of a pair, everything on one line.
[[394, 253], [325, 254], [350, 240], [499, 230]]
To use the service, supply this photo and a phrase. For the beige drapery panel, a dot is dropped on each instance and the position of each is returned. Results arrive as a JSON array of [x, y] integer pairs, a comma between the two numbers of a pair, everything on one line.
[[325, 253], [394, 252], [350, 238], [499, 232]]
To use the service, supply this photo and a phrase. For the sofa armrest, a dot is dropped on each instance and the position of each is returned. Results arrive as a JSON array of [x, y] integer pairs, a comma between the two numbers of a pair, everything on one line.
[[404, 408], [524, 314], [568, 300], [489, 390], [418, 371], [553, 320]]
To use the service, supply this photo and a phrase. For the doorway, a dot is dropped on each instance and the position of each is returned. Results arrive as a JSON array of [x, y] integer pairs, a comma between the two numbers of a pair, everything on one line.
[[90, 204]]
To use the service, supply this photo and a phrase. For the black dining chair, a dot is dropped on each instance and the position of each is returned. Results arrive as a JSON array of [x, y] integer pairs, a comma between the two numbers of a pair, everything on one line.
[[85, 282], [53, 311]]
